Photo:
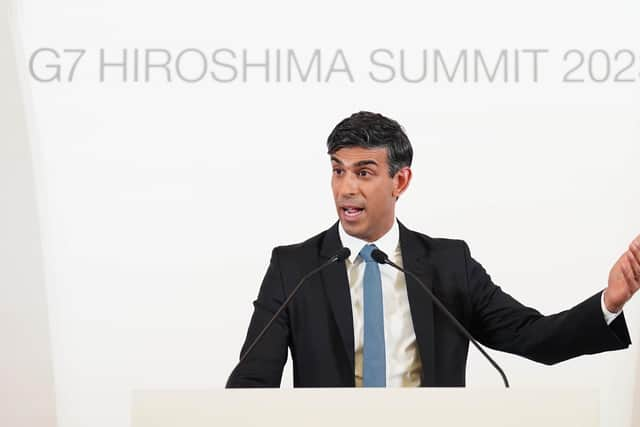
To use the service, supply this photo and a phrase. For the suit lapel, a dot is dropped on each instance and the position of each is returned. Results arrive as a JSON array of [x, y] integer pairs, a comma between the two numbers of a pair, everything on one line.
[[415, 258], [336, 286]]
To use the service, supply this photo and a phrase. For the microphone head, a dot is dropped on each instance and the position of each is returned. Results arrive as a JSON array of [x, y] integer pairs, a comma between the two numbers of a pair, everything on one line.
[[379, 256], [342, 254]]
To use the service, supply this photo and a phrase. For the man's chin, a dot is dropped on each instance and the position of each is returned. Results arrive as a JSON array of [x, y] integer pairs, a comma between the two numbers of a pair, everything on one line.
[[355, 230]]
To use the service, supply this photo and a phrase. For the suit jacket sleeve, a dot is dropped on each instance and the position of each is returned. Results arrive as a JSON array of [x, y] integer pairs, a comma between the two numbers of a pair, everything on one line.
[[264, 366], [502, 323]]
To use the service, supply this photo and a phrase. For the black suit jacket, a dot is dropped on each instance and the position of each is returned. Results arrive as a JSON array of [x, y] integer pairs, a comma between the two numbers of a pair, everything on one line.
[[318, 324]]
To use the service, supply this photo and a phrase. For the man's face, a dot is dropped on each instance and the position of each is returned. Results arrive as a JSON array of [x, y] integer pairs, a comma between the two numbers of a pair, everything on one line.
[[364, 193]]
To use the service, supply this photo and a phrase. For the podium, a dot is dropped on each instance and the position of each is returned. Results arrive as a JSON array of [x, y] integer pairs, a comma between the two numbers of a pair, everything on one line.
[[336, 407]]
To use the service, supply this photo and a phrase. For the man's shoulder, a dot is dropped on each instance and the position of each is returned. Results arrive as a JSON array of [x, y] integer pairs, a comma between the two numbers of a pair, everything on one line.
[[329, 239], [313, 245], [312, 242], [437, 244]]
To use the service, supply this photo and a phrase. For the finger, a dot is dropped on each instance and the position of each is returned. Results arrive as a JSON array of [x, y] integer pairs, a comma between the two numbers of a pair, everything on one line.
[[633, 264], [627, 272], [634, 248]]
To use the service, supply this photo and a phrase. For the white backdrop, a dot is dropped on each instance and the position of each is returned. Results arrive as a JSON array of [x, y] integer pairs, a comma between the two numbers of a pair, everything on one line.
[[160, 201]]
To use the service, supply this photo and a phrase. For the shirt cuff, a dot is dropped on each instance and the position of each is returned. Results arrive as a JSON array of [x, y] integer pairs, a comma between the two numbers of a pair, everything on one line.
[[608, 316]]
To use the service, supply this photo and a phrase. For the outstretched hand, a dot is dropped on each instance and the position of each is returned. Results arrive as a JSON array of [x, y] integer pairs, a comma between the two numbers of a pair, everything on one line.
[[624, 278]]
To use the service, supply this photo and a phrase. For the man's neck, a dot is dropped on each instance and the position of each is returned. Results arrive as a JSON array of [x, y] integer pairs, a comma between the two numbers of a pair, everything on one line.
[[387, 242]]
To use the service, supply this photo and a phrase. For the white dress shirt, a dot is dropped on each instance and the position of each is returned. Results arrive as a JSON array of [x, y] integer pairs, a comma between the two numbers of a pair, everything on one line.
[[403, 362], [608, 316]]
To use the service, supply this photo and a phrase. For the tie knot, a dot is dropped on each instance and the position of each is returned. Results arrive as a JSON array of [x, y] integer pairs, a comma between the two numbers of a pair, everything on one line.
[[365, 253]]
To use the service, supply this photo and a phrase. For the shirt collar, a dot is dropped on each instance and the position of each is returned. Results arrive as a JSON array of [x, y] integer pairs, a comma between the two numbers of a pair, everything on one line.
[[388, 243]]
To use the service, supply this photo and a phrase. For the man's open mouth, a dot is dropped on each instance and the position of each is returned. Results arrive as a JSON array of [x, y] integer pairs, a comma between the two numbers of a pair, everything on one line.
[[352, 212]]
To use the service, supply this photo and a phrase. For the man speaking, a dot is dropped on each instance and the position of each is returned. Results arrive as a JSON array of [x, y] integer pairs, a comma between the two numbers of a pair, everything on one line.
[[359, 322]]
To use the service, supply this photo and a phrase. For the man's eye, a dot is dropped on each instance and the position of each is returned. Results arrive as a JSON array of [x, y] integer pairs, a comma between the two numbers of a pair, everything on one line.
[[338, 171], [364, 172]]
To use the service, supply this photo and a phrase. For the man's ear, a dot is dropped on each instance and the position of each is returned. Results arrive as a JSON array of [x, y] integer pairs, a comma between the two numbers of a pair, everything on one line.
[[401, 181]]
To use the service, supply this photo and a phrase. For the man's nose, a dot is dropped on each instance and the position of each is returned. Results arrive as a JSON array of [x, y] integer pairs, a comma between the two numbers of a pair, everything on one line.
[[349, 185]]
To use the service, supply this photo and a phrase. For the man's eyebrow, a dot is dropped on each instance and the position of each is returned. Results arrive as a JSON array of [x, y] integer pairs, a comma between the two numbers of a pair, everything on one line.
[[366, 162], [357, 164]]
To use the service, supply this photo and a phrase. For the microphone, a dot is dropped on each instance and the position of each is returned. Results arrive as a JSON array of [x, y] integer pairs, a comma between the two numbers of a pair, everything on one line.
[[341, 255], [382, 258]]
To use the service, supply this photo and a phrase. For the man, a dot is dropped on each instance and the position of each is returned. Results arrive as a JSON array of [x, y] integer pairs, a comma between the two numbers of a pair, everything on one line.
[[358, 323]]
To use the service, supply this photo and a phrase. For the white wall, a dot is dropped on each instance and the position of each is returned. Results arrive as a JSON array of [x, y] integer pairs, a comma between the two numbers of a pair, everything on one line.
[[26, 378], [160, 202]]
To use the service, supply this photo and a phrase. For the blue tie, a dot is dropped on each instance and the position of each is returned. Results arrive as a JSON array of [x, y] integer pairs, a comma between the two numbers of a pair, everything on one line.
[[374, 369]]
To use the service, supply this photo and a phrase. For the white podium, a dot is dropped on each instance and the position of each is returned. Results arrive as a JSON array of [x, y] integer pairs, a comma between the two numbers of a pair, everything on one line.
[[334, 407]]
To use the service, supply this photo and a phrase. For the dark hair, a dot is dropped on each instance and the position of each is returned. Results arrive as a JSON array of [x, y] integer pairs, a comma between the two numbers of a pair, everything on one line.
[[373, 130]]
